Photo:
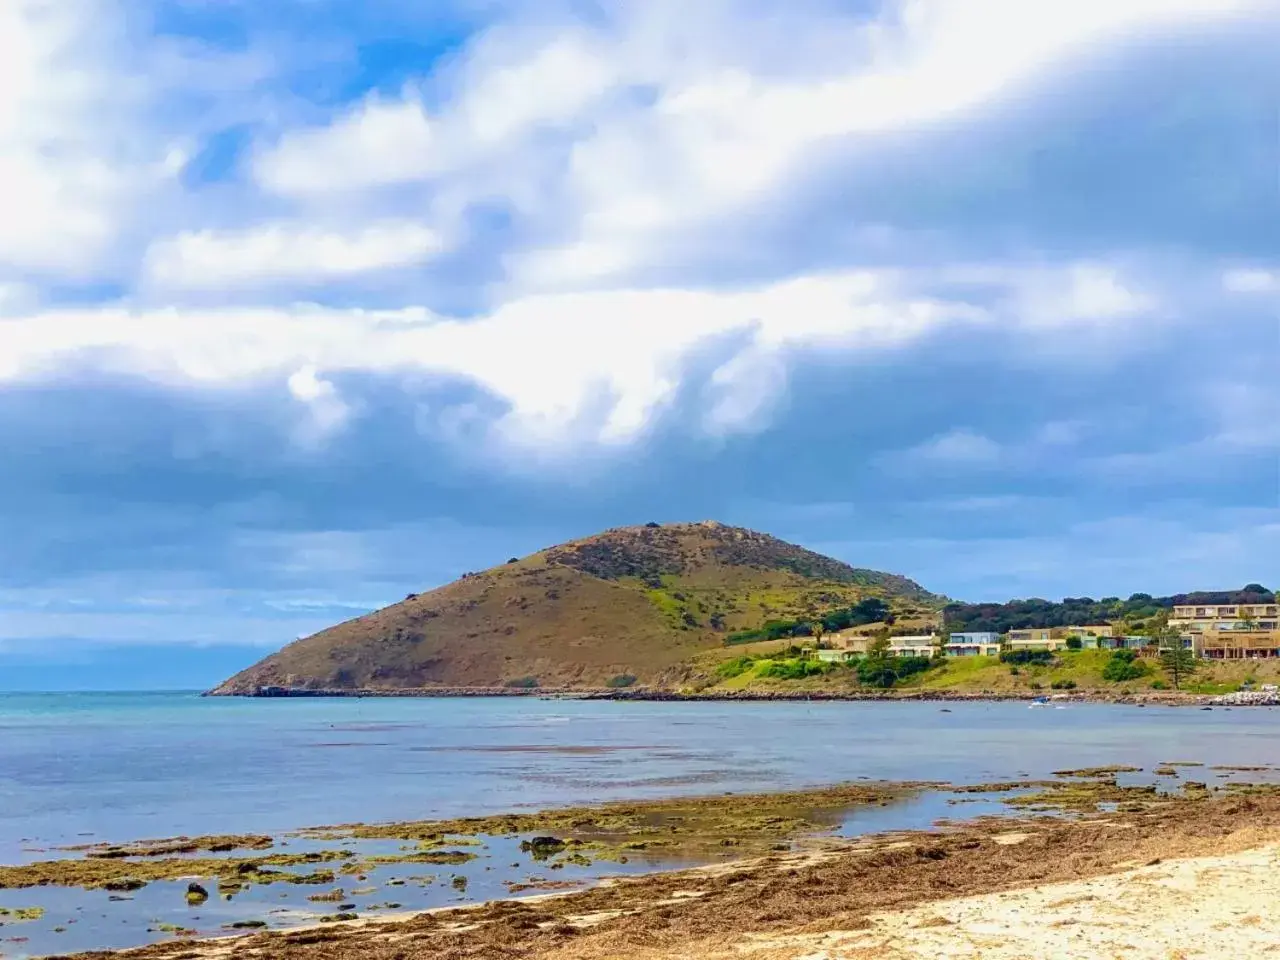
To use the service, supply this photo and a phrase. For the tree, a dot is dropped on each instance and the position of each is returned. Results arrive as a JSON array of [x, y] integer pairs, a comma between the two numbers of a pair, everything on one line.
[[1123, 665], [816, 624], [1178, 661], [940, 643], [876, 669], [1247, 620]]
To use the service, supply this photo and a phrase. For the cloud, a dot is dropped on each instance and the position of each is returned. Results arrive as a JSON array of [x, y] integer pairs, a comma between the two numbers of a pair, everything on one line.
[[1105, 555], [1251, 280], [211, 260], [973, 270], [381, 143], [550, 358], [97, 118], [958, 447], [327, 410]]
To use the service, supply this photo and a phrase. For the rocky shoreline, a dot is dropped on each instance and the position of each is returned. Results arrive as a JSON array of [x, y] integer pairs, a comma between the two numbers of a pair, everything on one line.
[[802, 896], [1160, 698]]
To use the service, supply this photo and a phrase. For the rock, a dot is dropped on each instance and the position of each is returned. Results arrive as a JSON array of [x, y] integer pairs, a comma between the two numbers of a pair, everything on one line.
[[196, 893], [124, 884], [543, 846]]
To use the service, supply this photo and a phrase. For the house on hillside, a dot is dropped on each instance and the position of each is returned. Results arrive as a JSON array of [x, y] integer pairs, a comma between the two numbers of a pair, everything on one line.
[[1122, 642], [1237, 643], [1037, 638], [918, 645], [1202, 618], [1093, 635], [973, 645], [1230, 631], [838, 656]]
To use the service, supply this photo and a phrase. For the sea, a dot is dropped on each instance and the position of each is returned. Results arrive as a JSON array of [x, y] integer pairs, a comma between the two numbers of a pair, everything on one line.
[[79, 768]]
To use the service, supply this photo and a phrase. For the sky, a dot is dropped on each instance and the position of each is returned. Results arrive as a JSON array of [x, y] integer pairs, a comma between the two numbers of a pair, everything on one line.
[[309, 304]]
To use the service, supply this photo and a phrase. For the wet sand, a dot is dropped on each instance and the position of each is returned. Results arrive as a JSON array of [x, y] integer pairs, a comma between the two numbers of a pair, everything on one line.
[[995, 888]]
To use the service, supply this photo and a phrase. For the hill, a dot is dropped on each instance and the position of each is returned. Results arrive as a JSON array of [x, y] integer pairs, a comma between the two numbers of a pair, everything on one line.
[[635, 602]]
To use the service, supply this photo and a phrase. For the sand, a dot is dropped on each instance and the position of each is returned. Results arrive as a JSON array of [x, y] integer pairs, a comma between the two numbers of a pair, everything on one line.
[[1174, 910]]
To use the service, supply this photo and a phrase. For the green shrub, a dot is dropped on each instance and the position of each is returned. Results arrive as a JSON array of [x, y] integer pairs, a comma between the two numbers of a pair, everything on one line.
[[1123, 665], [1026, 656], [877, 672], [909, 666], [621, 680], [1159, 685], [735, 667], [1062, 685], [1014, 671], [522, 683], [1075, 643], [794, 669], [1035, 686]]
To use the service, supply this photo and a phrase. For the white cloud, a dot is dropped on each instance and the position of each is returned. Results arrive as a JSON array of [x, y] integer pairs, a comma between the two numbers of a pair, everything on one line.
[[668, 118], [286, 252], [1246, 280], [967, 449], [1088, 293], [59, 181], [504, 91], [961, 446], [381, 143], [721, 137], [552, 358], [327, 412]]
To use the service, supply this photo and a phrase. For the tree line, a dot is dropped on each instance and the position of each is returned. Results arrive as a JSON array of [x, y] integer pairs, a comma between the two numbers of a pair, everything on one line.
[[1078, 611]]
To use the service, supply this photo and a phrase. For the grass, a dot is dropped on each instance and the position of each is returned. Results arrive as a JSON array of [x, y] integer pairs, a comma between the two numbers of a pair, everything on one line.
[[754, 668]]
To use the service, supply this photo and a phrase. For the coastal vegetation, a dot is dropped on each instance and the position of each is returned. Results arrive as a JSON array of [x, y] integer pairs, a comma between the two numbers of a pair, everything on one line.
[[1026, 673], [1135, 612]]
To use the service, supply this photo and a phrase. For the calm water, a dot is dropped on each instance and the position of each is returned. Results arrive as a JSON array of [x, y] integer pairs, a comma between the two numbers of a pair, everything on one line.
[[76, 768]]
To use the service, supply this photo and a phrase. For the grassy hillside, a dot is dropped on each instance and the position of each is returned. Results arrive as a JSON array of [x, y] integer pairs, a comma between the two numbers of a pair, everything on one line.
[[774, 668], [632, 605]]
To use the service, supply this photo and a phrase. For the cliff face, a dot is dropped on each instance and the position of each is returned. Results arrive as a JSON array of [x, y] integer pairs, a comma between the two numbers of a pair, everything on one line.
[[636, 602]]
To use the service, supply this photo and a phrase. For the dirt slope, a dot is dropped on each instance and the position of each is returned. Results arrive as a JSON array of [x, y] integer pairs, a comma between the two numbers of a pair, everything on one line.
[[635, 601]]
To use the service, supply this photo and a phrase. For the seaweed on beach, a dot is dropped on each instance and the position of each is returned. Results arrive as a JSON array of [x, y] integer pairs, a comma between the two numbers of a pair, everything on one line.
[[232, 874], [676, 826]]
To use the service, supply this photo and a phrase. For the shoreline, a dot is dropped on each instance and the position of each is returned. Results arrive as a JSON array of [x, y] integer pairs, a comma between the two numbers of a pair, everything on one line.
[[904, 891], [1161, 698]]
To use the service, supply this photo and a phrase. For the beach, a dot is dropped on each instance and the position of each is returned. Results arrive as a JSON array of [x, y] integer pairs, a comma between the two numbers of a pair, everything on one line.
[[475, 828], [1184, 877]]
